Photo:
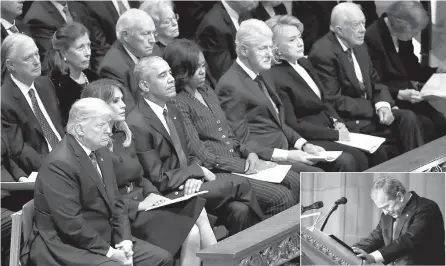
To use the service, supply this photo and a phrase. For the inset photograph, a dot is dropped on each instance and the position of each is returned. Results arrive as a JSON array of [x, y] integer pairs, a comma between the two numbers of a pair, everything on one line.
[[372, 218]]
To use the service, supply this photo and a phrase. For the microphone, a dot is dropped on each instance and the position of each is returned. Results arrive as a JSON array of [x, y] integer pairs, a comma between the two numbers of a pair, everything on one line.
[[342, 200], [314, 206], [335, 206]]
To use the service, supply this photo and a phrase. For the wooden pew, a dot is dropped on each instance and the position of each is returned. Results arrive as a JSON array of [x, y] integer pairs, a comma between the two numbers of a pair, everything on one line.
[[275, 241], [421, 159]]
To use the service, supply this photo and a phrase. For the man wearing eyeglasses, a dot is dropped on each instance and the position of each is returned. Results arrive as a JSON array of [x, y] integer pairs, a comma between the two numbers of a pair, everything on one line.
[[352, 86], [411, 229], [136, 34], [255, 111]]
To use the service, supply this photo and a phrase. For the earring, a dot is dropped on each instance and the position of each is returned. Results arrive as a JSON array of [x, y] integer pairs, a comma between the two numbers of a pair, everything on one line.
[[64, 59]]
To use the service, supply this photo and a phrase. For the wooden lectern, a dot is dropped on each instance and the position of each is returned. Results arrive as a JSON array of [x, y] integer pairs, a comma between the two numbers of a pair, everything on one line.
[[320, 249]]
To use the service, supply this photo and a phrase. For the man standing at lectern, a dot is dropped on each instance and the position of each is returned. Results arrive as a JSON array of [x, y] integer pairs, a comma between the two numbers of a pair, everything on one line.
[[411, 229]]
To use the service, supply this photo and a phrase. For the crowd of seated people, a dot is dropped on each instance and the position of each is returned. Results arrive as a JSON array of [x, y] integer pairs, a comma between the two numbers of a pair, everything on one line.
[[121, 106]]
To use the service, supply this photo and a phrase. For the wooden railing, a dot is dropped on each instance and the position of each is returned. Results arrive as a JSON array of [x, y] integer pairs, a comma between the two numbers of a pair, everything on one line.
[[421, 159], [275, 241]]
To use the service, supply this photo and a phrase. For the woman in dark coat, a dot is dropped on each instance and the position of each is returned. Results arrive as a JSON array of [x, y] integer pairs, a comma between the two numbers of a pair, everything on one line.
[[68, 62], [183, 224]]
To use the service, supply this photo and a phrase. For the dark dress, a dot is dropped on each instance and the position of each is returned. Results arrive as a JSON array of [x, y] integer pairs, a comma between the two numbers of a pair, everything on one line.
[[166, 227], [68, 90]]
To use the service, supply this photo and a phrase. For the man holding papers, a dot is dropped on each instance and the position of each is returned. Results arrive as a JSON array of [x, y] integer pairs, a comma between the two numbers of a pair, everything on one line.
[[210, 137], [164, 155], [351, 85], [80, 217], [389, 40]]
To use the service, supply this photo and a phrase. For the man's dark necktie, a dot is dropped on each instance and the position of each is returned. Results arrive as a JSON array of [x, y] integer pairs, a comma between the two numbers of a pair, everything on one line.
[[68, 14], [175, 139], [47, 131], [94, 161], [262, 86], [121, 7], [349, 52], [13, 29]]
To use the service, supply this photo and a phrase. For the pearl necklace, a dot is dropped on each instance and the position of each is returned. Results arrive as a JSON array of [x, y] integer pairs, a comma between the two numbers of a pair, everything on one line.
[[85, 77]]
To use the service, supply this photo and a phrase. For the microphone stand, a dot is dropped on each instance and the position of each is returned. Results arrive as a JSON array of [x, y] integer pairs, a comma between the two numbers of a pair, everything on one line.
[[334, 208]]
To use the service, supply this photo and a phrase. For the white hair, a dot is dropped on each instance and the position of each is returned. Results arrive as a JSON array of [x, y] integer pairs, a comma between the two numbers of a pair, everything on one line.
[[11, 43], [341, 14], [84, 110], [250, 31], [155, 8], [129, 20], [145, 66]]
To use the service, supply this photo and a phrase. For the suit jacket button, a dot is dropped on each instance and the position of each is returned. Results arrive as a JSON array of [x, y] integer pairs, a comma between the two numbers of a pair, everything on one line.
[[217, 165], [357, 122], [135, 197], [218, 121], [176, 193], [231, 150], [224, 136]]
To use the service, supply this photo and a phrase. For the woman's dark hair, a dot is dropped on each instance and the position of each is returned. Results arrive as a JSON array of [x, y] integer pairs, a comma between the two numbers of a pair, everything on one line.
[[104, 89], [183, 57], [63, 38]]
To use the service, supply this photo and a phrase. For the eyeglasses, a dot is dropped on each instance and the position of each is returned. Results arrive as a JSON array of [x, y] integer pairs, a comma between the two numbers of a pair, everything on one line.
[[358, 25], [265, 49], [152, 34], [170, 21]]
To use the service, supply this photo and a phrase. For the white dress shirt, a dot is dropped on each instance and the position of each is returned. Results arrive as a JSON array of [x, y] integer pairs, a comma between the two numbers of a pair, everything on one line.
[[278, 154], [25, 90], [232, 14], [125, 2], [359, 74], [304, 74], [158, 110], [60, 8], [7, 25], [132, 56]]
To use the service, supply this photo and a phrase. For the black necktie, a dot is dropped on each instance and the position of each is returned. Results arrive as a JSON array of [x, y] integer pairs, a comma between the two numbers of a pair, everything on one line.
[[175, 139], [67, 14], [280, 9], [96, 166], [262, 86], [349, 52], [48, 133], [13, 29]]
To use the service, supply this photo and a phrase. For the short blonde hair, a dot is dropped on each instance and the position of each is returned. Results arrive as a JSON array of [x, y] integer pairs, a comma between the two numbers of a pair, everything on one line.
[[278, 23], [250, 31], [84, 110]]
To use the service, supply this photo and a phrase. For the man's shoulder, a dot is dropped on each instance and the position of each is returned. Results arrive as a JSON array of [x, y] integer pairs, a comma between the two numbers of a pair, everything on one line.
[[115, 58], [324, 48]]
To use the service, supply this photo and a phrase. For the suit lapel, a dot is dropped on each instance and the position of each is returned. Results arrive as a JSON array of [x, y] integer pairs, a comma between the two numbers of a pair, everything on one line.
[[52, 9], [88, 166], [107, 175], [227, 18], [52, 112], [24, 105], [293, 73], [4, 32], [112, 10], [389, 46], [406, 214], [155, 122], [363, 65]]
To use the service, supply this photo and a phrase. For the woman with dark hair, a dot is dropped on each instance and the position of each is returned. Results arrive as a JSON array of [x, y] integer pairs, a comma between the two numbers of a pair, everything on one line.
[[209, 134], [183, 224], [68, 62]]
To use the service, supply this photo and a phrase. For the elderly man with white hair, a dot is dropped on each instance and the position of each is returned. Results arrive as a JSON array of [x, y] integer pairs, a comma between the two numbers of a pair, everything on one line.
[[80, 217], [352, 86], [255, 111], [28, 103], [389, 40], [136, 35]]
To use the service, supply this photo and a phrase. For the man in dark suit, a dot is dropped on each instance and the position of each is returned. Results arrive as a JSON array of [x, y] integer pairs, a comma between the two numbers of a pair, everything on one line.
[[80, 217], [162, 150], [216, 34], [10, 10], [103, 17], [411, 229], [254, 110], [29, 103], [45, 17], [352, 86], [136, 39], [190, 15], [389, 40]]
